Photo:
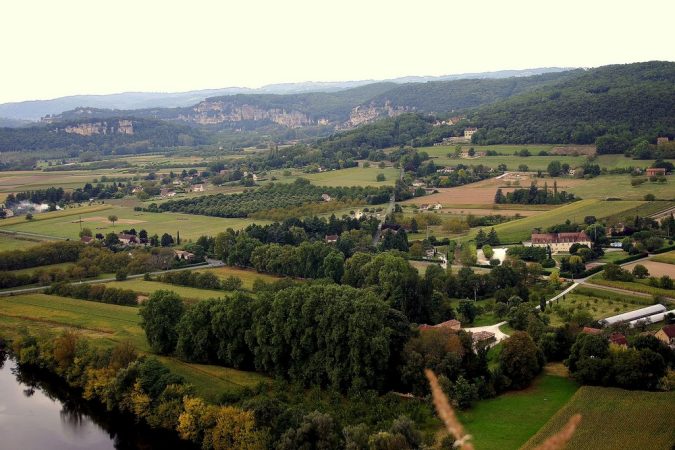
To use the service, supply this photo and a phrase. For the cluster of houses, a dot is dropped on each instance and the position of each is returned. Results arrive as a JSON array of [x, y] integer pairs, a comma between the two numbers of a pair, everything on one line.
[[132, 240], [430, 207]]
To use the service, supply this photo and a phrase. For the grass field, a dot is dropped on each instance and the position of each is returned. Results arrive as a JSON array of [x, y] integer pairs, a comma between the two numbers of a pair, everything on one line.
[[354, 176], [16, 242], [598, 303], [518, 230], [107, 325], [62, 266], [509, 420], [15, 181], [656, 269], [615, 419], [618, 186], [148, 287], [668, 258], [246, 276], [66, 223]]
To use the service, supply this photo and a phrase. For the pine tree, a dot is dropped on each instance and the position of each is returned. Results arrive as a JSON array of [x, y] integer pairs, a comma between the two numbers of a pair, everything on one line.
[[480, 238], [414, 226], [492, 237], [499, 197], [177, 237]]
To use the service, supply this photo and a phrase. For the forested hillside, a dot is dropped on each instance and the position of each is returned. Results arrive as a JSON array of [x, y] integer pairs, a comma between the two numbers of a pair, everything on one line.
[[124, 135], [620, 100]]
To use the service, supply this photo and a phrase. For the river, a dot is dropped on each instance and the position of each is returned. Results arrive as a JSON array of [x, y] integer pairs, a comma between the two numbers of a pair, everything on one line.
[[39, 412]]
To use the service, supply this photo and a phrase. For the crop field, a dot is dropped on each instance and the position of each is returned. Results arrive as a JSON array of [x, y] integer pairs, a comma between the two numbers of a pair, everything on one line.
[[148, 287], [656, 269], [668, 258], [519, 230], [619, 186], [354, 176], [615, 419], [107, 325], [67, 225], [31, 180], [634, 286], [507, 421]]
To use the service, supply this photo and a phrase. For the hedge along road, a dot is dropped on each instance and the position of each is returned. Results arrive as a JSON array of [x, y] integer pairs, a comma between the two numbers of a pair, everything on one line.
[[209, 263]]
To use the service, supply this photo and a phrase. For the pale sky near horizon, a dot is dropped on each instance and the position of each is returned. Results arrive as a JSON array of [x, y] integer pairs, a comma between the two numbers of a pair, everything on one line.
[[57, 48]]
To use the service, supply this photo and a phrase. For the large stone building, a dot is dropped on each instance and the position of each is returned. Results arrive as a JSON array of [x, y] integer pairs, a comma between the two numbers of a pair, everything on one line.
[[559, 242]]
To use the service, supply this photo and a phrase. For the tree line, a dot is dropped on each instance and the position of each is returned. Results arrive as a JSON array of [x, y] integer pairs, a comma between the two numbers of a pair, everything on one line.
[[535, 196]]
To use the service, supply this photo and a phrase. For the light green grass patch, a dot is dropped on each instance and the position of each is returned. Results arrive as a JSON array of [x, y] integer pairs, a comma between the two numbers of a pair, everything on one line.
[[353, 176], [246, 276], [668, 258], [509, 420], [148, 287], [619, 186]]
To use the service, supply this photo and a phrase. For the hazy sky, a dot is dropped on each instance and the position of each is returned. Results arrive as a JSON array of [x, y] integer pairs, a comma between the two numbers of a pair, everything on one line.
[[56, 48]]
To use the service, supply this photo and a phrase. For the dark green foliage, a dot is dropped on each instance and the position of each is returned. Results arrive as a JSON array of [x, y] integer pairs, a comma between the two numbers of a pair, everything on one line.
[[535, 196], [633, 99], [520, 360], [41, 255], [94, 292], [161, 314]]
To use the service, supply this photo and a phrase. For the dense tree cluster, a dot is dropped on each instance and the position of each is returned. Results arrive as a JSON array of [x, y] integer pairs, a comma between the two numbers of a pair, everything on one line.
[[325, 335], [535, 196], [94, 292], [273, 195], [54, 195], [638, 366], [41, 255]]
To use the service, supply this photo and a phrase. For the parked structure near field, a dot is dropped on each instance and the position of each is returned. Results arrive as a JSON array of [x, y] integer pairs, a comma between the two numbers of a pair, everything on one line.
[[654, 318], [633, 315]]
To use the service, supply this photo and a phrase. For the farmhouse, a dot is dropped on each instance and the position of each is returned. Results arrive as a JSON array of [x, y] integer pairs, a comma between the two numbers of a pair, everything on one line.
[[326, 197], [655, 171], [468, 132], [559, 242], [451, 324], [618, 339], [87, 239], [667, 335], [197, 188], [482, 337], [331, 238], [184, 255], [127, 239], [662, 140], [591, 330]]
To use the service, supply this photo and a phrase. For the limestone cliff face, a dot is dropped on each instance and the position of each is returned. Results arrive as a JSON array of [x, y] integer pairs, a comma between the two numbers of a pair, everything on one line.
[[102, 127], [215, 112], [369, 113]]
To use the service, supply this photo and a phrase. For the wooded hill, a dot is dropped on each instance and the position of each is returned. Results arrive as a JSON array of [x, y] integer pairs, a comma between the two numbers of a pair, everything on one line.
[[122, 134], [628, 100]]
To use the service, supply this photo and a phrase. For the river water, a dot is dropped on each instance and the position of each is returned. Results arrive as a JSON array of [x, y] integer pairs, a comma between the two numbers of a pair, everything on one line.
[[38, 412]]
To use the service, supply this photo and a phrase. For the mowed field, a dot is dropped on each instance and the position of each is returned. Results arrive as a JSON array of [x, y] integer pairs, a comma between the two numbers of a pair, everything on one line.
[[616, 419], [354, 176], [16, 242], [507, 421], [619, 186], [66, 223], [520, 229], [107, 325], [247, 276], [145, 288]]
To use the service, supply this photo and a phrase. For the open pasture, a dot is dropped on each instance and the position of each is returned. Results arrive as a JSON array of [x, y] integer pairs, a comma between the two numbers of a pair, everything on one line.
[[9, 241], [107, 325], [247, 276], [68, 225], [146, 288], [31, 180], [615, 419], [521, 229], [668, 258], [619, 186]]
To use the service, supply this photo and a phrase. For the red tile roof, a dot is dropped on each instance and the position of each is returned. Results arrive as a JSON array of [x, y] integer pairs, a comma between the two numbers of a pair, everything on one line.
[[669, 330], [557, 238], [618, 339], [591, 330]]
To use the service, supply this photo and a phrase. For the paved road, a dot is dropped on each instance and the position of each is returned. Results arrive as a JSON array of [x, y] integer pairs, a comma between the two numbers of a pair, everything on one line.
[[209, 263]]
